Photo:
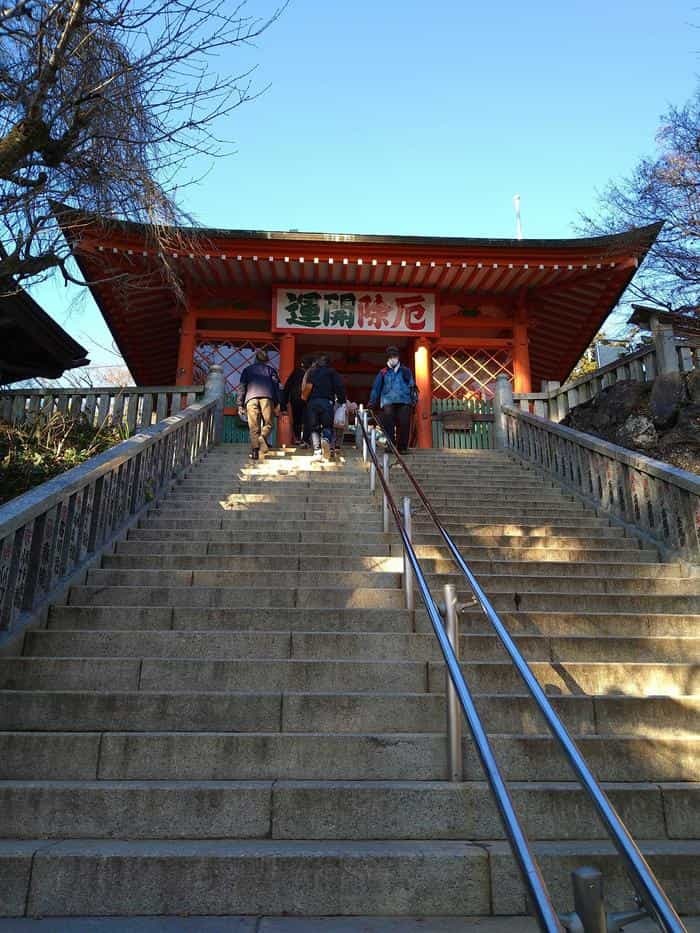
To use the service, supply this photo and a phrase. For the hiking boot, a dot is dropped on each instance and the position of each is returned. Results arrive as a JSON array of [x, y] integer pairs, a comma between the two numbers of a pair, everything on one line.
[[254, 454]]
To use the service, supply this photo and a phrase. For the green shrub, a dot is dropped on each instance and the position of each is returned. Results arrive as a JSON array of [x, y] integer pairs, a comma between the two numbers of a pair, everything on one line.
[[43, 447]]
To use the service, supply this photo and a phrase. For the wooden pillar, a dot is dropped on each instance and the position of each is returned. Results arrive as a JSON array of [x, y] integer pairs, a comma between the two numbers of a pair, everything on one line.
[[425, 393], [522, 381], [287, 356], [185, 356]]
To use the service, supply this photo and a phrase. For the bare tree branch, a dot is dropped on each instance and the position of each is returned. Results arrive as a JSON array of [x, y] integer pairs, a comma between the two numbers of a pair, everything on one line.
[[665, 187], [102, 102]]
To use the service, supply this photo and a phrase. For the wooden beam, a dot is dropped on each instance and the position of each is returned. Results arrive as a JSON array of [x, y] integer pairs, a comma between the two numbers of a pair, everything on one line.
[[473, 342]]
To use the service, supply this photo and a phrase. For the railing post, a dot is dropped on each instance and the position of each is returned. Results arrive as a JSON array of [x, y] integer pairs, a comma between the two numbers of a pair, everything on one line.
[[665, 343], [365, 422], [215, 388], [407, 569], [502, 396], [454, 713], [385, 501], [372, 467]]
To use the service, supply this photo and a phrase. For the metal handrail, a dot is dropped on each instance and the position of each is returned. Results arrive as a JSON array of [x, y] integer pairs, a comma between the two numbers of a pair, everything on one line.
[[543, 908], [640, 873]]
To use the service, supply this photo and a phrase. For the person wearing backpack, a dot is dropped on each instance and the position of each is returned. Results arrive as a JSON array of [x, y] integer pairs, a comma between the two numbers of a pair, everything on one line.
[[395, 392], [323, 387]]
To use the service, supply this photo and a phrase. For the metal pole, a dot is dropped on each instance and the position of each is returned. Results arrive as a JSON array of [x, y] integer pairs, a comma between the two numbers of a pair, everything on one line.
[[373, 466], [364, 436], [589, 908], [407, 569], [454, 712], [385, 501]]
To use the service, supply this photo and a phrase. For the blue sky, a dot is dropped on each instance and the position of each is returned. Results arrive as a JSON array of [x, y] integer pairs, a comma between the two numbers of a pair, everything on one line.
[[398, 116]]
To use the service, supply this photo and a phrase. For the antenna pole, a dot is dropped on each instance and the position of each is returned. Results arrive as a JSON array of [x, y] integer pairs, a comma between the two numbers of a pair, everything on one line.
[[518, 225]]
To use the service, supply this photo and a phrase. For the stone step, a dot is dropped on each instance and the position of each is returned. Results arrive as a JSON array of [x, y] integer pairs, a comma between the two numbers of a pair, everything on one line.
[[194, 674], [251, 525], [238, 924], [274, 548], [393, 565], [617, 550], [366, 555], [241, 497], [525, 534], [492, 582], [576, 624], [319, 511], [364, 645], [225, 674], [339, 810], [354, 713], [247, 877], [223, 596], [573, 585], [505, 525], [273, 512], [602, 536], [577, 677], [262, 619], [365, 597], [274, 579], [183, 756], [676, 865], [553, 623]]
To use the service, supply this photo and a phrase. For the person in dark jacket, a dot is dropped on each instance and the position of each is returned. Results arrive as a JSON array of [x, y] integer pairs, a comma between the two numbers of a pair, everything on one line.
[[259, 398], [394, 391], [291, 395], [326, 389]]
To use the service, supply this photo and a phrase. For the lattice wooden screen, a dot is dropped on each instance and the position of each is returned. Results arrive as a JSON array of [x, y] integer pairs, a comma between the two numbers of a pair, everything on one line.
[[469, 374], [232, 357]]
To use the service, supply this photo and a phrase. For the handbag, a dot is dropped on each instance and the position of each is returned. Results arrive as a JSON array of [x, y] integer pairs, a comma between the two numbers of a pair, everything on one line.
[[340, 418]]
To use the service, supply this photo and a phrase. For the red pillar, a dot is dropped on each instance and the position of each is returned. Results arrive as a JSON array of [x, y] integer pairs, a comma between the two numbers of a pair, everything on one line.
[[425, 393], [522, 381], [185, 356], [287, 356]]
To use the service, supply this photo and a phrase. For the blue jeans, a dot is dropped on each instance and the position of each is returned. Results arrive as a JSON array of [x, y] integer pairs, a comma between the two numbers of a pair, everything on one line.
[[320, 411]]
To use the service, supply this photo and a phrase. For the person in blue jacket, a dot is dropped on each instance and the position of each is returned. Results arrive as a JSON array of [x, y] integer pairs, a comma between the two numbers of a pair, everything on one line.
[[395, 392], [259, 398]]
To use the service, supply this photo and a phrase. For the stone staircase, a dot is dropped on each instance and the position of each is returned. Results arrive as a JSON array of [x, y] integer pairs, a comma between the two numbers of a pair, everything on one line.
[[236, 716]]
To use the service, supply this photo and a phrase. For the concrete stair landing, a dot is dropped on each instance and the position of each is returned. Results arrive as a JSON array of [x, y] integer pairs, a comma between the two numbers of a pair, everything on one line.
[[234, 719]]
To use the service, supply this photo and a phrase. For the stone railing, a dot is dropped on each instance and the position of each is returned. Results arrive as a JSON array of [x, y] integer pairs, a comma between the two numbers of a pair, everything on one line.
[[652, 498], [554, 401], [133, 407], [51, 534]]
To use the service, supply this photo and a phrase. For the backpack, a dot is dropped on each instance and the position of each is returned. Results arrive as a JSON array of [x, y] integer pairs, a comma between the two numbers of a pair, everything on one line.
[[407, 376]]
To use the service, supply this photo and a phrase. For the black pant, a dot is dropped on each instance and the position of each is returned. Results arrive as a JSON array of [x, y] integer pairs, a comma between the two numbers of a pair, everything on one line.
[[298, 420], [396, 421], [320, 418]]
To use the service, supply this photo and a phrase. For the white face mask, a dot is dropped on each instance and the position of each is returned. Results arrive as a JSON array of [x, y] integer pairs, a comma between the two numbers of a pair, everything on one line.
[[392, 362]]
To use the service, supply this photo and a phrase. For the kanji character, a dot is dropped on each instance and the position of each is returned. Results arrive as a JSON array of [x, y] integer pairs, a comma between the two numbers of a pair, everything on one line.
[[303, 309], [343, 314], [374, 313], [410, 312]]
